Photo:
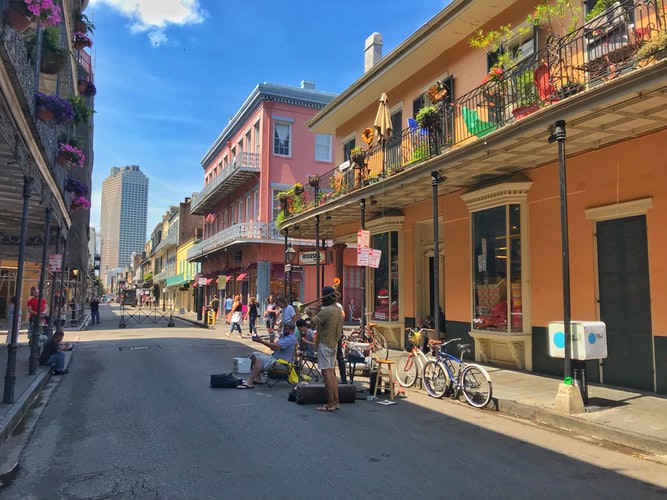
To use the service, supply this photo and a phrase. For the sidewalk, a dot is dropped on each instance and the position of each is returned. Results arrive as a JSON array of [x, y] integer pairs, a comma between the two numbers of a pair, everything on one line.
[[623, 417]]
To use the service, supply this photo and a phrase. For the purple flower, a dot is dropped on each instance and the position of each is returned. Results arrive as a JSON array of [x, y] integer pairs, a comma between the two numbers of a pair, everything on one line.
[[82, 38], [62, 109], [76, 188], [46, 11], [76, 156]]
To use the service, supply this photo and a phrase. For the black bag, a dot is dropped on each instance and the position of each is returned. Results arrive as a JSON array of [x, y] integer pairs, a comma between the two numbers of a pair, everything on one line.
[[225, 381], [316, 393]]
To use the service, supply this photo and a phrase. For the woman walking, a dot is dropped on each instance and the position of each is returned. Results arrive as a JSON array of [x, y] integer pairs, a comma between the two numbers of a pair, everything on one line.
[[235, 316], [270, 317], [251, 316]]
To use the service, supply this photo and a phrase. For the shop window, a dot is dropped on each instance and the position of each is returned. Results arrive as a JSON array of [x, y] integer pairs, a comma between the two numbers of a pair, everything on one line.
[[385, 277], [499, 262]]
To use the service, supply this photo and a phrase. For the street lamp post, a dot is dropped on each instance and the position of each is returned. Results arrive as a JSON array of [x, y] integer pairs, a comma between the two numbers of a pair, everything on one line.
[[75, 273], [290, 253], [164, 299], [314, 182]]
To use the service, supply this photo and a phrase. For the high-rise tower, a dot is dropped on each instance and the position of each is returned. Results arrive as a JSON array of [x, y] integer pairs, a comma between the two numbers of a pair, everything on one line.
[[123, 218]]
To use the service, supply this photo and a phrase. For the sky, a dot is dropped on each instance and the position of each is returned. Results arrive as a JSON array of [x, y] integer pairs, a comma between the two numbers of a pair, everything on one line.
[[171, 73]]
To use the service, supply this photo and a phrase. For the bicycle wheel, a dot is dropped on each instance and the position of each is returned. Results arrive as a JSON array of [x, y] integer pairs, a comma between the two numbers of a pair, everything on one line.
[[406, 370], [476, 386], [353, 337], [435, 379], [380, 346]]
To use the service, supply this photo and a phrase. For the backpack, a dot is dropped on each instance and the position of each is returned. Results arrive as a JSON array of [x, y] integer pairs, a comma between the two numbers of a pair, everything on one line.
[[225, 381]]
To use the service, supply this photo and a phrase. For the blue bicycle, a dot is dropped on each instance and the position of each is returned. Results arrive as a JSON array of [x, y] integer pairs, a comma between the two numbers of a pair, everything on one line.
[[448, 374]]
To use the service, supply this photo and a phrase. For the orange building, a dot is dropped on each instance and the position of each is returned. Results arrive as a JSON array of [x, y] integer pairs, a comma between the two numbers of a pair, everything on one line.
[[494, 115]]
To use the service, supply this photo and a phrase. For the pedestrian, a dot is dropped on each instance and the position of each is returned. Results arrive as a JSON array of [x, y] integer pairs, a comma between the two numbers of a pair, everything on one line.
[[95, 311], [235, 316], [329, 325], [228, 307], [351, 310], [270, 317], [288, 315], [35, 315], [251, 316], [215, 305], [10, 317]]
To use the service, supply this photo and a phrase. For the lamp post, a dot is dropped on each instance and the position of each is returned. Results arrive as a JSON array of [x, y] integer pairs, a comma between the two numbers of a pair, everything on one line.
[[435, 180], [164, 299], [314, 182], [75, 273], [290, 253]]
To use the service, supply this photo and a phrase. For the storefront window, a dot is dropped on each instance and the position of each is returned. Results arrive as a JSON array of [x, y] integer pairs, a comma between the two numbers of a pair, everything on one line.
[[385, 277], [497, 269]]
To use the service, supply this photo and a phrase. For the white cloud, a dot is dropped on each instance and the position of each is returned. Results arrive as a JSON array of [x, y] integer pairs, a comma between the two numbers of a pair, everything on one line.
[[154, 17]]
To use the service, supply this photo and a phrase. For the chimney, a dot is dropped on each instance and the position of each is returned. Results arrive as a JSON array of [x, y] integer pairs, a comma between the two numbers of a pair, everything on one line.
[[307, 85], [372, 51]]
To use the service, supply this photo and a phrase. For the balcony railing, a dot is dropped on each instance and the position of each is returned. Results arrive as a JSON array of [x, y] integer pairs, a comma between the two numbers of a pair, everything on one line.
[[602, 49], [170, 241], [233, 175], [244, 231]]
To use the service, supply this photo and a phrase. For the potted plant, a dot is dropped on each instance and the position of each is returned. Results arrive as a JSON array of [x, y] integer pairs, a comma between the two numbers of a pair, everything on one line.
[[82, 23], [86, 87], [428, 116], [81, 40], [75, 187], [46, 12], [569, 88], [358, 156], [655, 46], [79, 202], [314, 180], [52, 107], [53, 55], [298, 189], [82, 113], [70, 155], [526, 99]]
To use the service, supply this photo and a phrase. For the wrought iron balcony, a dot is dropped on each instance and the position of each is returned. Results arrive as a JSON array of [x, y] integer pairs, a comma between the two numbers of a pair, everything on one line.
[[170, 241], [244, 167], [605, 48], [246, 232]]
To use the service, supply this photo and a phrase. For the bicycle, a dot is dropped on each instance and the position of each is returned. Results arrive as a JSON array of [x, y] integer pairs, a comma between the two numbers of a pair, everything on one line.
[[451, 375], [410, 365], [376, 341]]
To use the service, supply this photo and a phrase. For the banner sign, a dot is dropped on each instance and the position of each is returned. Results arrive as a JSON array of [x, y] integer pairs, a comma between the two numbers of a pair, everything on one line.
[[374, 257], [222, 281]]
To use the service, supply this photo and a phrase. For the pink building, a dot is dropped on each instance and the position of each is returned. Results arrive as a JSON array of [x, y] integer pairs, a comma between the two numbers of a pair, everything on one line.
[[264, 149]]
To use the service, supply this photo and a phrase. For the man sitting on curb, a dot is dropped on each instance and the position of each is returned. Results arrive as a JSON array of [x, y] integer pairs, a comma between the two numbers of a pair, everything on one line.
[[53, 353], [283, 349]]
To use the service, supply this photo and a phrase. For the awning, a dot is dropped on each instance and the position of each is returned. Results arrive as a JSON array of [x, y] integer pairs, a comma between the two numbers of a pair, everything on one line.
[[177, 280], [241, 276]]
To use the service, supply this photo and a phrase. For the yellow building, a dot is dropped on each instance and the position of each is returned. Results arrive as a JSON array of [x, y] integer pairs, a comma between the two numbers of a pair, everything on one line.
[[487, 133]]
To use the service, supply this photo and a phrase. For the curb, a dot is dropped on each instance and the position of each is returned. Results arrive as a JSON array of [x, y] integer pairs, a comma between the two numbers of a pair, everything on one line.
[[200, 324], [22, 405], [621, 437]]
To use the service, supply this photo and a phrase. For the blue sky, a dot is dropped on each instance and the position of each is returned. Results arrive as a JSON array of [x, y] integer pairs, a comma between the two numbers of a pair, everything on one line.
[[170, 73]]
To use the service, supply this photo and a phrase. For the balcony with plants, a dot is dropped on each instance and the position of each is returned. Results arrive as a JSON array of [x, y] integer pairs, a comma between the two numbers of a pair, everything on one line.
[[621, 39], [236, 233]]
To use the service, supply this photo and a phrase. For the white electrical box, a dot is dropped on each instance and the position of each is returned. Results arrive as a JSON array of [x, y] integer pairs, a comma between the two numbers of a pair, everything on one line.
[[242, 365], [589, 340]]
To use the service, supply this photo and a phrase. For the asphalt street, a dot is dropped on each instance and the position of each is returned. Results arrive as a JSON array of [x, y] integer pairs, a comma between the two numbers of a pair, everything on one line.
[[135, 418]]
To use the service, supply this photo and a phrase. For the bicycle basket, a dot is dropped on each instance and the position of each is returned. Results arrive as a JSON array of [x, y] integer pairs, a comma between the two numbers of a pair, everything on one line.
[[414, 338]]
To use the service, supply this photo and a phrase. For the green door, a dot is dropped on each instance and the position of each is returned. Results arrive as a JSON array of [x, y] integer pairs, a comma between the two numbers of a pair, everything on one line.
[[625, 302]]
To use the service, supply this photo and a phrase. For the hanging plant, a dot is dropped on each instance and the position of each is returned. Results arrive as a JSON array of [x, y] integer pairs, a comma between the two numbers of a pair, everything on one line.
[[82, 112], [59, 109], [81, 40], [80, 202], [86, 87], [70, 155], [46, 12], [75, 187]]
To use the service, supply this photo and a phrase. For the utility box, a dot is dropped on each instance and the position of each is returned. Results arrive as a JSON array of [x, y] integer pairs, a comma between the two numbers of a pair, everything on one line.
[[589, 340], [242, 365]]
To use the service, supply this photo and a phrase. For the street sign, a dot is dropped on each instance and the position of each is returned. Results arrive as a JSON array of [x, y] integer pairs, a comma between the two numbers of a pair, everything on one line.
[[297, 269]]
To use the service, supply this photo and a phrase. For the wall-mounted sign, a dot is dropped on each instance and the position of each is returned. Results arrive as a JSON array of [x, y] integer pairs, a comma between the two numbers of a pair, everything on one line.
[[309, 257]]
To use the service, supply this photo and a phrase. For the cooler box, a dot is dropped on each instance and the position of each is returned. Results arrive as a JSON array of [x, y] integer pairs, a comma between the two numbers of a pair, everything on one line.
[[242, 365], [589, 340]]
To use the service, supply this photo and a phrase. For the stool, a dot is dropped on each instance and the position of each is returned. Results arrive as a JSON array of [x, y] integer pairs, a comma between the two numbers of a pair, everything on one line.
[[385, 374]]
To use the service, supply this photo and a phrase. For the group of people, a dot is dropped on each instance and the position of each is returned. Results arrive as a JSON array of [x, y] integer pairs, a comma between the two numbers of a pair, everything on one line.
[[326, 344]]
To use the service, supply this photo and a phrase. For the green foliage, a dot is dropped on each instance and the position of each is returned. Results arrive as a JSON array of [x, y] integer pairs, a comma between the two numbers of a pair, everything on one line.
[[526, 91], [82, 113], [428, 116], [554, 15], [653, 45], [501, 42], [599, 8]]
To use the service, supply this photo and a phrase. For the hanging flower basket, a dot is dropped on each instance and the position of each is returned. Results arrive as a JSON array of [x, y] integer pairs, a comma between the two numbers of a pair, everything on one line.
[[61, 110], [17, 16], [298, 188], [79, 202], [76, 188], [313, 180], [81, 40], [70, 155], [86, 88], [44, 11], [52, 63]]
